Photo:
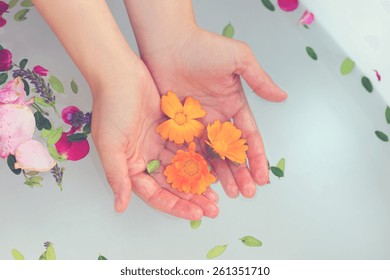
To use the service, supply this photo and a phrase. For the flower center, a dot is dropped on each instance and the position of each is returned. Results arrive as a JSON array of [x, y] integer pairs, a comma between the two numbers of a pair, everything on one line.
[[220, 146], [191, 167], [180, 118]]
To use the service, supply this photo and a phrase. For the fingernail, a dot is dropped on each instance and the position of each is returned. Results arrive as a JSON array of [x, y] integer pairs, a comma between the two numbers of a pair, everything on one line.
[[118, 204]]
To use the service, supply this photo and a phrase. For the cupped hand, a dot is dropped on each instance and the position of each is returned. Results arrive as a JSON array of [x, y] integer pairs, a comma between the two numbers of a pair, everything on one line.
[[208, 67], [126, 110]]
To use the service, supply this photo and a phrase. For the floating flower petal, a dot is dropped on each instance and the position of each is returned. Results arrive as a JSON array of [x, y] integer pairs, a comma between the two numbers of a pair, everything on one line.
[[288, 5], [182, 125], [225, 140], [32, 155], [17, 125], [189, 172], [40, 70], [13, 93], [5, 56], [378, 76], [307, 18], [72, 150]]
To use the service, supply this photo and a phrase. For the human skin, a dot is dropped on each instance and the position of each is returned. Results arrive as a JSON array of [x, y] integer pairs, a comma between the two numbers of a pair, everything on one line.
[[191, 61], [126, 106]]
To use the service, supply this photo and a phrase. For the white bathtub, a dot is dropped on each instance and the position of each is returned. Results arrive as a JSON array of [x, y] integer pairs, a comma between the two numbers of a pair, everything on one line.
[[333, 202]]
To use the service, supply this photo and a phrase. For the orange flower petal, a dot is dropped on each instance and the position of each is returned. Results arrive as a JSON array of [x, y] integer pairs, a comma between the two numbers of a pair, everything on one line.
[[164, 129], [192, 109]]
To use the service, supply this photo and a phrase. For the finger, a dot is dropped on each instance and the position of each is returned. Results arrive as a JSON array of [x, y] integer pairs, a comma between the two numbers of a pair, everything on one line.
[[161, 199], [211, 194], [256, 77], [257, 159], [225, 176], [244, 180]]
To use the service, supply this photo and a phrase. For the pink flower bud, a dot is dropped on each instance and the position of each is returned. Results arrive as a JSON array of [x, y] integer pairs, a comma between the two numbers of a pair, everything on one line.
[[307, 18], [40, 70], [5, 59]]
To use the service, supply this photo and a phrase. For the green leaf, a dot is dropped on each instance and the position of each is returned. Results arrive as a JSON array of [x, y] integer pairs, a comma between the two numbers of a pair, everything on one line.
[[56, 84], [3, 78], [74, 87], [77, 137], [54, 153], [281, 164], [12, 3], [46, 123], [36, 179], [311, 53], [228, 31], [11, 160], [277, 171], [152, 166], [21, 15], [102, 258], [26, 87], [1, 47], [32, 173], [40, 101], [216, 251], [250, 241], [306, 26], [195, 224], [367, 84], [17, 255], [28, 183], [87, 129], [382, 136], [347, 66], [50, 253], [45, 133], [268, 5], [23, 63], [387, 114], [26, 3], [43, 256], [38, 120], [54, 136]]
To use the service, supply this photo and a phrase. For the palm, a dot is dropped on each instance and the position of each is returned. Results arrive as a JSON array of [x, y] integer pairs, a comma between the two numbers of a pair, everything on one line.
[[208, 67], [124, 133]]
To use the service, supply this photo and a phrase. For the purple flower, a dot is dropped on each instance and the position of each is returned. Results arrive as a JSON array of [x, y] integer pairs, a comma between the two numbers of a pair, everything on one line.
[[5, 59]]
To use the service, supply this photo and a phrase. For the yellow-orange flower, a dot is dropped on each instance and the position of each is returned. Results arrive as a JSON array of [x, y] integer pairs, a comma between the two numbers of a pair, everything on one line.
[[182, 125], [189, 172], [225, 140]]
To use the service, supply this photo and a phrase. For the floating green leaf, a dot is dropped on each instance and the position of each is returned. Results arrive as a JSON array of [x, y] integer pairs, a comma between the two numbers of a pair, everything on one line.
[[40, 101], [21, 15], [26, 87], [56, 84], [281, 164], [26, 3], [250, 241], [387, 113], [77, 137], [216, 251], [382, 136], [1, 47], [3, 78], [11, 160], [268, 5], [54, 136], [311, 53], [87, 129], [36, 179], [23, 63], [347, 66], [228, 31], [32, 173], [367, 84], [195, 224], [54, 153], [277, 171], [74, 87], [17, 255], [12, 3], [50, 253], [152, 166], [41, 122], [102, 258]]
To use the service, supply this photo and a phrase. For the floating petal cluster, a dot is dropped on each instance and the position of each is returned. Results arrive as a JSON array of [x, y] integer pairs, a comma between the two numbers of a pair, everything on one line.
[[189, 171]]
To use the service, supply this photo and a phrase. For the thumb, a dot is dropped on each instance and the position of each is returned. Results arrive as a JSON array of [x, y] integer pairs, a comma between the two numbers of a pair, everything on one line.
[[256, 77], [116, 169]]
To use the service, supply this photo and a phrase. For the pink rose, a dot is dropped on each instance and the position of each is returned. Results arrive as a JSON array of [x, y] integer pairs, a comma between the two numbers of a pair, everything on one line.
[[13, 93], [288, 5], [5, 58], [40, 70]]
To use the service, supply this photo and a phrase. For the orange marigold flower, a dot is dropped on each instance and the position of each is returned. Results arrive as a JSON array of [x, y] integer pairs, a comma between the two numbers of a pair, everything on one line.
[[225, 140], [182, 125], [189, 172]]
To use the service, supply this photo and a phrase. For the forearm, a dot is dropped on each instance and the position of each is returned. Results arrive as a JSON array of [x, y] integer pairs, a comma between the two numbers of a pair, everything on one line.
[[159, 23], [90, 35]]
